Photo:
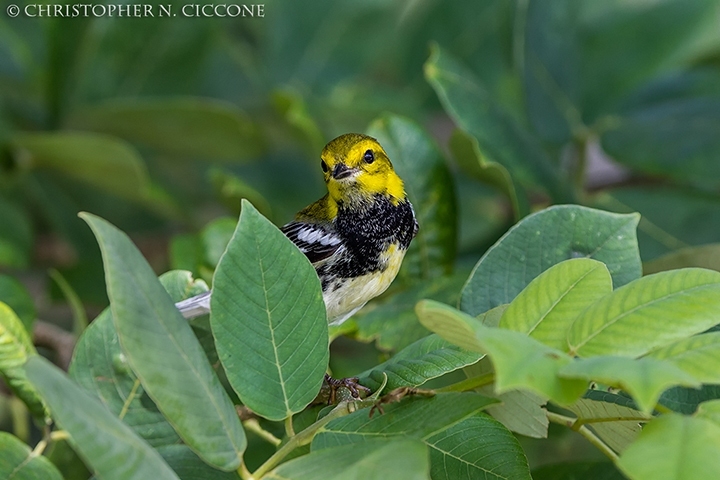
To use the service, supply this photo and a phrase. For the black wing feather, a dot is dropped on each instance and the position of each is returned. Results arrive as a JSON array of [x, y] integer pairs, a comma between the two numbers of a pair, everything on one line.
[[316, 241]]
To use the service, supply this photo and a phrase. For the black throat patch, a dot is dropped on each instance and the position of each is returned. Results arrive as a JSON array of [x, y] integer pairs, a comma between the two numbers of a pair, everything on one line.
[[368, 231]]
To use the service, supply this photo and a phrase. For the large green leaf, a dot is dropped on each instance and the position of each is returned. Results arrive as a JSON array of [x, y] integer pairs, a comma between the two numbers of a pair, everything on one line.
[[687, 400], [698, 355], [625, 43], [109, 446], [650, 312], [164, 353], [100, 366], [520, 362], [375, 459], [196, 127], [15, 295], [551, 68], [268, 319], [101, 161], [17, 462], [645, 378], [500, 138], [415, 417], [674, 447], [548, 237], [660, 233], [479, 447], [414, 365], [430, 188], [676, 139], [551, 302], [15, 349]]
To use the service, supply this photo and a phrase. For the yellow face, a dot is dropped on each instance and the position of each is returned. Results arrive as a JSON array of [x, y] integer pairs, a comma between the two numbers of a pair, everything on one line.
[[356, 166]]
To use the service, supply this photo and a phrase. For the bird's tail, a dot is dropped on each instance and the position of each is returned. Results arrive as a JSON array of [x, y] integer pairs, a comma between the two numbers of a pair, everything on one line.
[[195, 306]]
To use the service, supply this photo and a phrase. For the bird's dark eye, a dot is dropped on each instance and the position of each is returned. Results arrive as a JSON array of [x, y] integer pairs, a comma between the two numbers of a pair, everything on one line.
[[369, 156], [324, 166]]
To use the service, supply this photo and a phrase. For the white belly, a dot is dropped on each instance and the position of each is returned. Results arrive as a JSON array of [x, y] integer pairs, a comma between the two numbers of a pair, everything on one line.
[[343, 302]]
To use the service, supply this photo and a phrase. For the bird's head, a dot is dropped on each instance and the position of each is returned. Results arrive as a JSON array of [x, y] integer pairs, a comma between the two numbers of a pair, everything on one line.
[[356, 168]]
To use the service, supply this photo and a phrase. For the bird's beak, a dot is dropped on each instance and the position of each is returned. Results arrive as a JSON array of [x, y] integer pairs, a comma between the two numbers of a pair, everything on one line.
[[341, 171]]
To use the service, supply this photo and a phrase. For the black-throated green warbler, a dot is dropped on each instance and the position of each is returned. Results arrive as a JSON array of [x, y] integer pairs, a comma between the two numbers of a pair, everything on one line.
[[355, 236]]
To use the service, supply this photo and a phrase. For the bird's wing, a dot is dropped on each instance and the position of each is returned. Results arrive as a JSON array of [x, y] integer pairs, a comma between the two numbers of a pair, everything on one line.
[[317, 241]]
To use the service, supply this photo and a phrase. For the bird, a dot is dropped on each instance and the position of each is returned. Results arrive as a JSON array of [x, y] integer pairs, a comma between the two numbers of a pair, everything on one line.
[[355, 236]]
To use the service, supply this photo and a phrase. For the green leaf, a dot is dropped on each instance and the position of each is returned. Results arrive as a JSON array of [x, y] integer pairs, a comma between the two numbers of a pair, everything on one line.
[[548, 237], [650, 312], [414, 417], [214, 238], [686, 400], [18, 462], [520, 362], [15, 295], [698, 355], [449, 324], [500, 138], [15, 349], [521, 411], [477, 447], [188, 466], [676, 139], [674, 447], [268, 319], [375, 459], [106, 163], [551, 68], [425, 359], [100, 366], [645, 378], [624, 44], [109, 446], [467, 153], [164, 353], [702, 256], [16, 235], [193, 127], [660, 233], [430, 188], [186, 252], [550, 303]]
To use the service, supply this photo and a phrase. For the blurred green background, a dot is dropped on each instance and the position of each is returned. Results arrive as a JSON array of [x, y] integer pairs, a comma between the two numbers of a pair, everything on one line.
[[162, 125]]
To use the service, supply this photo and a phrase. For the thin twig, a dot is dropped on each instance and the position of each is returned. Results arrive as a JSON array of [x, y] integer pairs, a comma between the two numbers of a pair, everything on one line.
[[585, 432], [252, 425]]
